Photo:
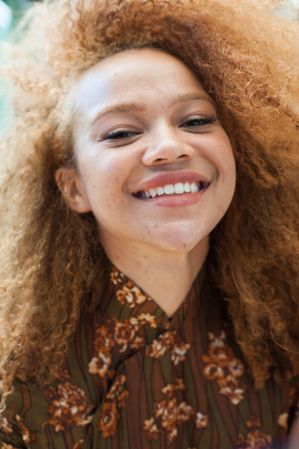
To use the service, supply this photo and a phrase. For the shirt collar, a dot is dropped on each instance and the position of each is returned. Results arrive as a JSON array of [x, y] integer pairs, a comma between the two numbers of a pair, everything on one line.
[[128, 301]]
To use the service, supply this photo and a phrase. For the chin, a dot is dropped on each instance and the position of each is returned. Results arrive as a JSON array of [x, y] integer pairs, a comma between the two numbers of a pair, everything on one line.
[[183, 244]]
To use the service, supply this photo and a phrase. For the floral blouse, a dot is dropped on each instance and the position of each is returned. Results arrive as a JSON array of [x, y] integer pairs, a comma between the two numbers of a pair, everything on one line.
[[137, 379]]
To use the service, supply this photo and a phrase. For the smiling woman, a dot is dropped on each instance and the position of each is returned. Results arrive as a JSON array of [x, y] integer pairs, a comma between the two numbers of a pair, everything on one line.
[[149, 288], [140, 154]]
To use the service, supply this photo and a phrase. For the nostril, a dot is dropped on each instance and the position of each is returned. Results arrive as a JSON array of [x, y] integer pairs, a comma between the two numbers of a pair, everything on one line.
[[160, 159]]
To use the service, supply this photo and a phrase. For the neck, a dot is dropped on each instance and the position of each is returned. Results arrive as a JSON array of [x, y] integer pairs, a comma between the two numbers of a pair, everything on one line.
[[165, 276]]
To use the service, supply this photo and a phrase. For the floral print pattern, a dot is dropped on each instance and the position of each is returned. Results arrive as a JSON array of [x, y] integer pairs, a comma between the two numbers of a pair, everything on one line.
[[168, 341], [169, 414], [128, 293], [154, 380], [109, 414], [118, 335], [222, 366], [255, 438], [68, 406], [201, 420]]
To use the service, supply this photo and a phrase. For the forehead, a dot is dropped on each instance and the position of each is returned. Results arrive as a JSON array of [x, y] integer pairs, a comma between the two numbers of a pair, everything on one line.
[[137, 74]]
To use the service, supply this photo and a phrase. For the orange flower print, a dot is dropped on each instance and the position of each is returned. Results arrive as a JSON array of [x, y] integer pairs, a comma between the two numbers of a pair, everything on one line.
[[223, 367], [103, 336], [103, 343], [161, 345], [185, 412], [117, 392], [121, 335], [116, 276], [259, 440], [151, 429], [128, 293], [147, 318], [171, 388], [108, 419], [100, 365], [109, 414], [212, 371], [201, 420], [125, 334], [179, 352], [229, 387], [69, 406], [131, 295], [168, 414], [167, 341], [254, 440]]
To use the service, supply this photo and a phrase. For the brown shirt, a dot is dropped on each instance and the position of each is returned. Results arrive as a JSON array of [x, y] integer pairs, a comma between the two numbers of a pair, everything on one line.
[[136, 379]]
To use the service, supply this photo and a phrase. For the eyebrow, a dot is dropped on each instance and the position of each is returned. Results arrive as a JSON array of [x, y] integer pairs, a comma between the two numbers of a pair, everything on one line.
[[137, 107]]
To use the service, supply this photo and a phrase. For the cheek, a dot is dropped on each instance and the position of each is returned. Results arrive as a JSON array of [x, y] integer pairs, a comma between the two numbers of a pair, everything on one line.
[[225, 160], [103, 177]]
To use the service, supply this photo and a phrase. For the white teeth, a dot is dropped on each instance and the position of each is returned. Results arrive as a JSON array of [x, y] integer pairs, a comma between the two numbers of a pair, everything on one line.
[[194, 188], [171, 189], [153, 193], [187, 187], [160, 191], [179, 188]]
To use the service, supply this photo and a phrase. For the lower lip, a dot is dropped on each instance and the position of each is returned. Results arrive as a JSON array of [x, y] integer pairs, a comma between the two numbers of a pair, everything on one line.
[[181, 200]]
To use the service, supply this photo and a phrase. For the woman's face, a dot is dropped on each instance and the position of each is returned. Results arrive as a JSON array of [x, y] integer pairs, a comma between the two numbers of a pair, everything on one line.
[[154, 165]]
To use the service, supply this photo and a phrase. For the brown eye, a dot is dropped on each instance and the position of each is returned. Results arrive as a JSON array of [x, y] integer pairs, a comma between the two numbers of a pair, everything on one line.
[[119, 134], [198, 121]]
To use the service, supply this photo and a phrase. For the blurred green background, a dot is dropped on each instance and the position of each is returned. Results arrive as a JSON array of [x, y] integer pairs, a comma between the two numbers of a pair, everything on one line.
[[10, 13]]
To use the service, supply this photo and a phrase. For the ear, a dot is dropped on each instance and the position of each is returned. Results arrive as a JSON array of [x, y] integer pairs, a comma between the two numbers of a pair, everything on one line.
[[70, 185]]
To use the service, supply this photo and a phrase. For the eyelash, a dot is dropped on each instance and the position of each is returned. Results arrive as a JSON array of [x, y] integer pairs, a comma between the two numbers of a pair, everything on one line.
[[119, 134], [201, 121]]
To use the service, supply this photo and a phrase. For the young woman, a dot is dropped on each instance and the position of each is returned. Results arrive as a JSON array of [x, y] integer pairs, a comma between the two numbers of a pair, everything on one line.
[[150, 246]]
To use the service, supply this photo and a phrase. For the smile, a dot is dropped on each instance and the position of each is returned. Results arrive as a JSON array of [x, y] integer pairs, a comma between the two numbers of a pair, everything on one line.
[[172, 189]]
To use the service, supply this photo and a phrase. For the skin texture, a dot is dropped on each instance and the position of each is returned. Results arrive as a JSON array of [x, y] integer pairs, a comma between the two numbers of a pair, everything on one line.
[[161, 243]]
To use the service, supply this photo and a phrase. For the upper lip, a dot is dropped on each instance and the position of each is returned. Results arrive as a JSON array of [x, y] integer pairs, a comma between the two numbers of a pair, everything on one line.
[[173, 177]]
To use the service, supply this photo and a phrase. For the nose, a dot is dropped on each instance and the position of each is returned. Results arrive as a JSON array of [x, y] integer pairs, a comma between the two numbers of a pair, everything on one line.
[[166, 146]]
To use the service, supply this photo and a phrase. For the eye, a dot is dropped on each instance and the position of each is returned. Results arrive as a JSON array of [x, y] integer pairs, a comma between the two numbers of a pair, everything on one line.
[[197, 122], [118, 134]]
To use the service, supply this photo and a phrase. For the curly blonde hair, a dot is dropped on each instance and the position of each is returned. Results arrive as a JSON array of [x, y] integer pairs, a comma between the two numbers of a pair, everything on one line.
[[52, 263]]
